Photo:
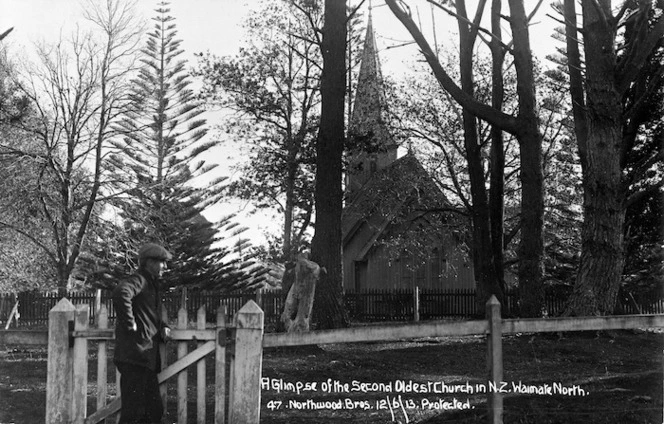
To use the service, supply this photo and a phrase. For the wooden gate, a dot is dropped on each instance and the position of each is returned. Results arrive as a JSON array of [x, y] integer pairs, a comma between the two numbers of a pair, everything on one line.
[[68, 355]]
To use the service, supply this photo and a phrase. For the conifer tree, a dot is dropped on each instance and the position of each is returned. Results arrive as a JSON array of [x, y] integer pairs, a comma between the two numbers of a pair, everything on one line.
[[161, 151]]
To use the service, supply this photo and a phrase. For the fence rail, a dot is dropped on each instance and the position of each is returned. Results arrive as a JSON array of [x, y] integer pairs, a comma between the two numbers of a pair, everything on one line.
[[365, 306]]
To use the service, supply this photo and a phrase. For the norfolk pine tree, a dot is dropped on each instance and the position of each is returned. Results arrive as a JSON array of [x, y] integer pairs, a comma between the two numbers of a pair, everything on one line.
[[161, 150]]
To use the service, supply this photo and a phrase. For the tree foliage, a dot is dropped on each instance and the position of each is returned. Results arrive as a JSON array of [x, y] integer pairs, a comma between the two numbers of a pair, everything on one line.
[[523, 124], [23, 265], [431, 124], [77, 91], [162, 173], [272, 86]]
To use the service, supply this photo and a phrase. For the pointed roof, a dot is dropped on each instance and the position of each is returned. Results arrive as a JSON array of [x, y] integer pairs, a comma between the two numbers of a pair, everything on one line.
[[374, 147], [369, 104]]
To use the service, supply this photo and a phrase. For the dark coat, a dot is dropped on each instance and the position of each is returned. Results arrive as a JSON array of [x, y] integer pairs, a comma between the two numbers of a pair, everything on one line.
[[137, 301]]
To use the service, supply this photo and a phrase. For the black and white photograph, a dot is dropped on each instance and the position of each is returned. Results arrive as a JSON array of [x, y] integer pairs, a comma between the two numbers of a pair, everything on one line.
[[332, 211]]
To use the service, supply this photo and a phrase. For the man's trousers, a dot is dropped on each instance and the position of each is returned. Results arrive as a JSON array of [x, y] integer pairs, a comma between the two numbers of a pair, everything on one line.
[[139, 389]]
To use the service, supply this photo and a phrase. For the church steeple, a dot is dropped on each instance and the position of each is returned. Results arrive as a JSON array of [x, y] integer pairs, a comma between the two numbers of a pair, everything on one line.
[[376, 148]]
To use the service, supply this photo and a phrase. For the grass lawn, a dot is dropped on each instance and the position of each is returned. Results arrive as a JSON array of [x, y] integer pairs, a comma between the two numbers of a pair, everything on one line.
[[611, 378]]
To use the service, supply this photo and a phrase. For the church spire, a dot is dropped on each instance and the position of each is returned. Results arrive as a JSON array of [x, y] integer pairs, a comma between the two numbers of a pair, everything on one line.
[[376, 148]]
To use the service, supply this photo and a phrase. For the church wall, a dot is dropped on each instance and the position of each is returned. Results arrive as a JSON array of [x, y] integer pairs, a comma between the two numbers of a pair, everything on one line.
[[450, 270]]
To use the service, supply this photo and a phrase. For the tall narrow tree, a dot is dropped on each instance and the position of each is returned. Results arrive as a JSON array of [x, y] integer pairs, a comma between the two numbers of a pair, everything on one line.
[[161, 150]]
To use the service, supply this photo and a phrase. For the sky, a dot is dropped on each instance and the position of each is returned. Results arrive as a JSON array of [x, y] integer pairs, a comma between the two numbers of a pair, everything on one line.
[[216, 26], [202, 24]]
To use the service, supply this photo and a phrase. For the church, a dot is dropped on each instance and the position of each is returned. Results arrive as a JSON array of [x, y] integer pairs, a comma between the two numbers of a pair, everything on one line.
[[398, 229]]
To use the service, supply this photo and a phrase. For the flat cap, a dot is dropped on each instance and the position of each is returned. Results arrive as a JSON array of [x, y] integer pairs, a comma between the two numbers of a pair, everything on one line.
[[154, 251]]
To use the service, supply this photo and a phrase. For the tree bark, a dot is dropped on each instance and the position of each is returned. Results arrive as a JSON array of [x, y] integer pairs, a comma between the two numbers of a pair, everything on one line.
[[329, 311], [602, 252], [289, 188], [531, 248]]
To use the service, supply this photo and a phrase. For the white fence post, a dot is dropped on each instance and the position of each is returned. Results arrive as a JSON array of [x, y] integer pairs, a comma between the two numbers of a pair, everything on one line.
[[163, 357], [80, 371], [416, 304], [60, 363], [245, 392], [220, 368], [495, 359], [101, 319], [182, 376], [200, 372]]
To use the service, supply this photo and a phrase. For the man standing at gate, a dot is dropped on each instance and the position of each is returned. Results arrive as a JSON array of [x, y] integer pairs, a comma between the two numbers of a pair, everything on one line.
[[139, 330]]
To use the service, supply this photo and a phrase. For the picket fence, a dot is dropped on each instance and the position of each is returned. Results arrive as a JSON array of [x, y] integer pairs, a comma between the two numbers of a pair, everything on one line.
[[375, 305], [70, 332]]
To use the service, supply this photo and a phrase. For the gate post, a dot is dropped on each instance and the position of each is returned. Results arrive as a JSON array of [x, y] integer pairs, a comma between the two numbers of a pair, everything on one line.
[[245, 392], [59, 376], [495, 359], [101, 319], [182, 375], [163, 356], [220, 368], [200, 372], [80, 362]]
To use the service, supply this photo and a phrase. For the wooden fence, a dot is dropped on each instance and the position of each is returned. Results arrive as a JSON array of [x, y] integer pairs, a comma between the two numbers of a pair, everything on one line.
[[67, 370], [69, 333], [375, 305], [34, 307]]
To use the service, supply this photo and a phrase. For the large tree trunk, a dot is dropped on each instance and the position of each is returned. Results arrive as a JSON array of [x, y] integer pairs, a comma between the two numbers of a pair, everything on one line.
[[602, 255], [531, 288], [329, 311], [531, 248]]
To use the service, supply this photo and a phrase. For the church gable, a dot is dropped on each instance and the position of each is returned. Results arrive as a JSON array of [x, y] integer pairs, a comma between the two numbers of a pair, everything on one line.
[[395, 199]]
